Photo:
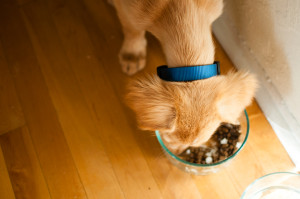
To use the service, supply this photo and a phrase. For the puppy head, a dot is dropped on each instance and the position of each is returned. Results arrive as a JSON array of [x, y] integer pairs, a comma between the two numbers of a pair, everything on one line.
[[188, 113]]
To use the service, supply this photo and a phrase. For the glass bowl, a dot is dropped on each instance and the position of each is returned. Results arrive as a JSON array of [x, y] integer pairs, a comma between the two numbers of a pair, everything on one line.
[[204, 169], [273, 186]]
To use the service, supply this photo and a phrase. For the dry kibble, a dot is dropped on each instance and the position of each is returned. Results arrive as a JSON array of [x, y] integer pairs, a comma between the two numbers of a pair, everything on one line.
[[188, 151], [223, 144], [208, 160], [224, 141], [225, 130], [208, 154], [222, 157]]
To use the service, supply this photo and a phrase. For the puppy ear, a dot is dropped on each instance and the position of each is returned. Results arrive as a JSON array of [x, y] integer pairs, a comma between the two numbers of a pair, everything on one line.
[[151, 100], [235, 93]]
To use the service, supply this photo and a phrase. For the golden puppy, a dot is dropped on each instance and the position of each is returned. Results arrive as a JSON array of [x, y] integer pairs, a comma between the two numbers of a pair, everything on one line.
[[185, 113]]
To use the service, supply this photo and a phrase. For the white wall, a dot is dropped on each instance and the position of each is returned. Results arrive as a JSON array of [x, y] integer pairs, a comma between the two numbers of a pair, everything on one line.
[[264, 36]]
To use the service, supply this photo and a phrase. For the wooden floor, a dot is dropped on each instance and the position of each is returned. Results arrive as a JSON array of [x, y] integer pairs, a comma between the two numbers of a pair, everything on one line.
[[64, 129]]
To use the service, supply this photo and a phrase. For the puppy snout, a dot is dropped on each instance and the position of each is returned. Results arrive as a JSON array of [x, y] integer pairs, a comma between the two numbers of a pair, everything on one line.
[[177, 149]]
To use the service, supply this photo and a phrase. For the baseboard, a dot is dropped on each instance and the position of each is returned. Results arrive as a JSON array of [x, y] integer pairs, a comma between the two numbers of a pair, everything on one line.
[[281, 119]]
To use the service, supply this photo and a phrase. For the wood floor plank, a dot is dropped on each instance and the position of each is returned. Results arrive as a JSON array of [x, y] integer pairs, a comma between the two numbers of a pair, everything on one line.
[[55, 158], [167, 177], [6, 190], [11, 115], [63, 59], [23, 2], [23, 165], [218, 185], [233, 180], [79, 127], [269, 156], [128, 161]]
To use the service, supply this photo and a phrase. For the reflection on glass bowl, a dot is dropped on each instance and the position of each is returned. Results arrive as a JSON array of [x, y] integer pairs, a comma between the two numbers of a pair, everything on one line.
[[279, 185], [204, 169]]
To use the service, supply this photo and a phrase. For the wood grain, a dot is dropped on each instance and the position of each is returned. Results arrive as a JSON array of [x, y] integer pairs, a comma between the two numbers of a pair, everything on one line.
[[72, 136], [10, 109], [6, 190], [87, 149], [52, 150], [132, 172], [23, 166]]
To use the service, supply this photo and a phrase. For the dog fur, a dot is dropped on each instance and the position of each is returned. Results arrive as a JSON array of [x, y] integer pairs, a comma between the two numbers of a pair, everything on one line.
[[186, 113]]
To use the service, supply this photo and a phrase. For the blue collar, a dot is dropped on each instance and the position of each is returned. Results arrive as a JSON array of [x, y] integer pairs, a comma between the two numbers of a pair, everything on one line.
[[188, 73]]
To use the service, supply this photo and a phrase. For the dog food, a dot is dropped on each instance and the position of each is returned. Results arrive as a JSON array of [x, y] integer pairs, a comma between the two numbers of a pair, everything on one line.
[[220, 146]]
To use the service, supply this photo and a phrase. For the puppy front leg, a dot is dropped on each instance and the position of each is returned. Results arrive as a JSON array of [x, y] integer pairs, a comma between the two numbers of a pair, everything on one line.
[[132, 56]]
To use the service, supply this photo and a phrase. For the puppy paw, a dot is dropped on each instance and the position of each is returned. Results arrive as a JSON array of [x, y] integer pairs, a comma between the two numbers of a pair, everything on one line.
[[132, 56], [131, 63]]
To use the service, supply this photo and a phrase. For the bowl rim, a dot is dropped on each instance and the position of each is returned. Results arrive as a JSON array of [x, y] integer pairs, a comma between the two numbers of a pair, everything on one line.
[[263, 177], [205, 165]]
